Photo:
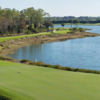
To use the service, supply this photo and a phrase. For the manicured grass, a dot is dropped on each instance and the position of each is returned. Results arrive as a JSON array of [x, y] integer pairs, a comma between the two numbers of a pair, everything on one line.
[[62, 31], [38, 83]]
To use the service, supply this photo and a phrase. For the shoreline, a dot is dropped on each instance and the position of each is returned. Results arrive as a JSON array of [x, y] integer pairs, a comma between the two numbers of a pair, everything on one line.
[[10, 46], [41, 64]]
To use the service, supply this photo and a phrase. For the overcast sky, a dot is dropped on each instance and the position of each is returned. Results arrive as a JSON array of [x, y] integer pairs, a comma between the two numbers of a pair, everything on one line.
[[57, 7]]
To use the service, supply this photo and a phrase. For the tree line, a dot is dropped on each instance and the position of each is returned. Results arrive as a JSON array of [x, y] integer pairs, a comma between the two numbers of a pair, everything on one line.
[[71, 21], [66, 18], [28, 20], [74, 21]]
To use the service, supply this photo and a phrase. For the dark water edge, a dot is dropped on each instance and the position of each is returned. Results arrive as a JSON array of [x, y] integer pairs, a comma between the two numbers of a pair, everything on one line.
[[77, 53]]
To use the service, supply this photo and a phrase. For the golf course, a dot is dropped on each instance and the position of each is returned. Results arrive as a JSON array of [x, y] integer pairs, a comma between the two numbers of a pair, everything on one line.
[[30, 82], [25, 82], [49, 52]]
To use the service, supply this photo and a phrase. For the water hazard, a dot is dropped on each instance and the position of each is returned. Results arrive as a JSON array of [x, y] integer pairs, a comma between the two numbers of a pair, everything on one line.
[[75, 53]]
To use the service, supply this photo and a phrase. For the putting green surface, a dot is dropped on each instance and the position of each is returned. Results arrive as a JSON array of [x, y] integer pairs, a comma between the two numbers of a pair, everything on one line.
[[24, 82]]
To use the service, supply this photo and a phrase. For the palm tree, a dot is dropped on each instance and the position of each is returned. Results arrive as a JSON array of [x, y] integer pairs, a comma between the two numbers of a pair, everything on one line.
[[63, 24], [77, 22], [71, 22]]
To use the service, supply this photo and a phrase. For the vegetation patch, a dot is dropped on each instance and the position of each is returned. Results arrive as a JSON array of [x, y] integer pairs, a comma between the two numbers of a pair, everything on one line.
[[4, 98], [59, 67], [6, 58]]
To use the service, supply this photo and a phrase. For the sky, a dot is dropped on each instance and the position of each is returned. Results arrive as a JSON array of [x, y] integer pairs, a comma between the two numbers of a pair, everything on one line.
[[57, 7]]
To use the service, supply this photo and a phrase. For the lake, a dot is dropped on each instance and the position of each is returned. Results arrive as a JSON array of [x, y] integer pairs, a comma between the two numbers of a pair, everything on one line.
[[75, 53]]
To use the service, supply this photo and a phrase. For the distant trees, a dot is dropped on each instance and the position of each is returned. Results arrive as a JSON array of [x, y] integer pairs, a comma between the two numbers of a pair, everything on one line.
[[63, 24], [68, 18]]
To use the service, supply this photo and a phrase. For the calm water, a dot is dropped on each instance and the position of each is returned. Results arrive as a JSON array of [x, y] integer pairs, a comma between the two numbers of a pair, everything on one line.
[[76, 53]]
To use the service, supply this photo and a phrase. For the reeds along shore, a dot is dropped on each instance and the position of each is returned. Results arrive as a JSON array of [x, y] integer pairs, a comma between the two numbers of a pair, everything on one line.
[[59, 67]]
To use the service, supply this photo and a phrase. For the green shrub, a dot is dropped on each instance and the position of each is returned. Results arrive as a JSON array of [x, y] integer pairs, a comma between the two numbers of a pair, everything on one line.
[[57, 29], [4, 98], [35, 31], [39, 30], [68, 68], [73, 31], [6, 58], [46, 65], [58, 67], [52, 30], [24, 60], [30, 27], [74, 28], [81, 30], [32, 63], [7, 33], [28, 32], [40, 63]]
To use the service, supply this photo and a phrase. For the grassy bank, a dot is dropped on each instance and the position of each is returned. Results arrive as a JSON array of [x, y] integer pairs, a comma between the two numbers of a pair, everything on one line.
[[2, 39], [60, 31]]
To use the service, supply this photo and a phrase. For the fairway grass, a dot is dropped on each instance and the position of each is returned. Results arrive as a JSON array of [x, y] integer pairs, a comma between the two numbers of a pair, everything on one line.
[[62, 31], [25, 82]]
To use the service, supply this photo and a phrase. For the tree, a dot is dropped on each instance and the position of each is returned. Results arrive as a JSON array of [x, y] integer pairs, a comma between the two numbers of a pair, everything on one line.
[[52, 27], [48, 24], [30, 14], [22, 20], [34, 16], [71, 22], [77, 22], [30, 27], [63, 24]]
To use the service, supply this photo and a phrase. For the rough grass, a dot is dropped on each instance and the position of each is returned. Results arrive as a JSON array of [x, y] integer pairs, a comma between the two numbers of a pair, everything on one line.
[[24, 61], [0, 47], [26, 82], [2, 39]]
